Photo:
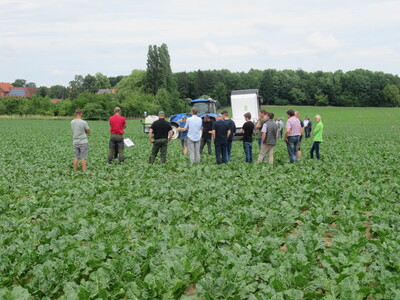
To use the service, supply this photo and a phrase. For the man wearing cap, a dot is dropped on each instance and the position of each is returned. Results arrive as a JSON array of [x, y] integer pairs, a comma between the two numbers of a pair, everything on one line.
[[162, 136], [117, 126]]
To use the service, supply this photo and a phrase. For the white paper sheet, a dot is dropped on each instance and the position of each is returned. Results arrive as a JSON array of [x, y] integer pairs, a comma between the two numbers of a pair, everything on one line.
[[128, 142]]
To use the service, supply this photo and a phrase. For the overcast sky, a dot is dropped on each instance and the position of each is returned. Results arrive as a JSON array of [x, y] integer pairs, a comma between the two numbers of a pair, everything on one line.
[[49, 41]]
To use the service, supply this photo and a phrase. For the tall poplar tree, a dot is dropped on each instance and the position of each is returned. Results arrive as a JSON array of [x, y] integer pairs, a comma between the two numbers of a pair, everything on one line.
[[159, 74]]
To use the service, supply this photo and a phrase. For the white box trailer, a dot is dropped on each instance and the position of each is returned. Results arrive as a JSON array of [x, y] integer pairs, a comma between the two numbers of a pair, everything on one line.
[[243, 101]]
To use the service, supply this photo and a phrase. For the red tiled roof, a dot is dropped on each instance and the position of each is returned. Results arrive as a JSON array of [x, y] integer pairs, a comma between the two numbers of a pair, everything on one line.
[[5, 86], [55, 100]]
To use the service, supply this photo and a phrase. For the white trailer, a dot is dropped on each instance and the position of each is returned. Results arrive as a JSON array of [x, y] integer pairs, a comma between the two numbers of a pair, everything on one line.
[[243, 101]]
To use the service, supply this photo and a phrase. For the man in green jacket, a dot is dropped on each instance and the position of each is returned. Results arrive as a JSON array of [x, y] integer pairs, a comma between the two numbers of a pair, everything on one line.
[[317, 132]]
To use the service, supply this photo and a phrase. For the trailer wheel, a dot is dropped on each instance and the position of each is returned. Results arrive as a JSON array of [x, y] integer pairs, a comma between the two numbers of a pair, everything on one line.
[[175, 132]]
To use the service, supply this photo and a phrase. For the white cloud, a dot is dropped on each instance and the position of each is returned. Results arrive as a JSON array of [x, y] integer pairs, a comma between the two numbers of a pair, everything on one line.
[[323, 41]]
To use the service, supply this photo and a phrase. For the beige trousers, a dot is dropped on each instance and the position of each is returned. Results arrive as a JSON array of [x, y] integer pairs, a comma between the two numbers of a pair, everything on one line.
[[264, 150]]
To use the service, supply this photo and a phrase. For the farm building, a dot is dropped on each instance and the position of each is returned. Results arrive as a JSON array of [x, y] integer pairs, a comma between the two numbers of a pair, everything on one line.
[[106, 91], [5, 88], [25, 92]]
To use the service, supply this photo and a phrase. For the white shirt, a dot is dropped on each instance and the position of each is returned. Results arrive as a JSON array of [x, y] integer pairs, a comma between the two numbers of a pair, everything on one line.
[[194, 125], [305, 123]]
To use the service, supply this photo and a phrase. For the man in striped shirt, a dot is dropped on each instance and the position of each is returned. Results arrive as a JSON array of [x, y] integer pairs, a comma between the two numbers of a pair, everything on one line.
[[292, 135]]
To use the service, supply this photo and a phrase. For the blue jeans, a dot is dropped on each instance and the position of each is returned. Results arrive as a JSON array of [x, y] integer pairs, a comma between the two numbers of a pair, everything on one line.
[[248, 151], [315, 147], [228, 151], [220, 152], [291, 144]]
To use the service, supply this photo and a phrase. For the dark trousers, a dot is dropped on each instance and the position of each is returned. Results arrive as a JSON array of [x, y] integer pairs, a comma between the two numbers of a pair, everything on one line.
[[203, 142], [228, 151], [307, 132], [162, 146], [315, 147], [220, 152], [116, 147]]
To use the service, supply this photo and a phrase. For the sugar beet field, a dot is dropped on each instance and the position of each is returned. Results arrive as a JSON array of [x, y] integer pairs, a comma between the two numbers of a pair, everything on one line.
[[327, 229]]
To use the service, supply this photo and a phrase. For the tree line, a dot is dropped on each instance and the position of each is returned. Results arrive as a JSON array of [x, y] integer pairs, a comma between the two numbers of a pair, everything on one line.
[[158, 88]]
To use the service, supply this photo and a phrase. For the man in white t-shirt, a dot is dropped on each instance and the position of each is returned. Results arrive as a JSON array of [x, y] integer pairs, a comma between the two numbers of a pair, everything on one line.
[[193, 126]]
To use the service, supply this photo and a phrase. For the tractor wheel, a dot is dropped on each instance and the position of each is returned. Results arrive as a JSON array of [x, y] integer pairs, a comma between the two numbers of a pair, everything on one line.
[[175, 131]]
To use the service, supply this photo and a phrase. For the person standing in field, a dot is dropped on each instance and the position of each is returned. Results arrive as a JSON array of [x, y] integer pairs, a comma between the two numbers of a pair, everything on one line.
[[306, 128], [162, 136], [232, 129], [183, 135], [298, 151], [309, 126], [319, 128], [193, 126], [206, 134], [220, 133], [80, 129], [247, 130], [262, 118], [292, 135], [282, 125], [269, 136], [116, 143]]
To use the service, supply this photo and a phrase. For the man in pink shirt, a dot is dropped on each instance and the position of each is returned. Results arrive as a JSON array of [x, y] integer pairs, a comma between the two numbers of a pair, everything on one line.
[[292, 135], [117, 126]]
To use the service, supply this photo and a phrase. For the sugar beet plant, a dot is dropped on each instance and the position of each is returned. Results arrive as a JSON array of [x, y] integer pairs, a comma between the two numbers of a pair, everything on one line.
[[325, 229]]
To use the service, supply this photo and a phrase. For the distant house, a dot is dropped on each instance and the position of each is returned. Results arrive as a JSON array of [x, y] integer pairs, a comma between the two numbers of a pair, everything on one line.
[[26, 92], [55, 100], [5, 88], [106, 91]]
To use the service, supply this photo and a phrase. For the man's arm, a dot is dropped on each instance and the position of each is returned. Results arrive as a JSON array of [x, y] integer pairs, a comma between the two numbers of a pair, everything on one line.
[[151, 135], [264, 137], [229, 133], [170, 135], [213, 135], [87, 131], [124, 124], [258, 125], [287, 134]]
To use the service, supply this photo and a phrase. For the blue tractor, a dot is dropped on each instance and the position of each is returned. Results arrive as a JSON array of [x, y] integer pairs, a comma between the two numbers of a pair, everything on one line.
[[204, 107]]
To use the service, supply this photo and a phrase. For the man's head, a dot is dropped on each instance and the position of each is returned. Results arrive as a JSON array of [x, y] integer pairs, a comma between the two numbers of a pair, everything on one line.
[[270, 115], [290, 113], [117, 110], [247, 116], [184, 118], [224, 114], [194, 110], [263, 113], [207, 118], [161, 114], [219, 117], [78, 113]]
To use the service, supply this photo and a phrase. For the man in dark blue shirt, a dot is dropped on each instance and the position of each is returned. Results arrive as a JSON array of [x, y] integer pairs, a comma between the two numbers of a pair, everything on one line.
[[220, 133], [232, 128]]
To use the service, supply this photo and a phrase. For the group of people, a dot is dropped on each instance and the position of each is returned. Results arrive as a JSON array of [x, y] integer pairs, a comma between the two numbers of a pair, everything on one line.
[[195, 133]]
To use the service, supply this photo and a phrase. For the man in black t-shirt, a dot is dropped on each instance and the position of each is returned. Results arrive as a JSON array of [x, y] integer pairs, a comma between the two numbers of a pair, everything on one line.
[[232, 128], [162, 136], [206, 134], [247, 130], [220, 133]]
